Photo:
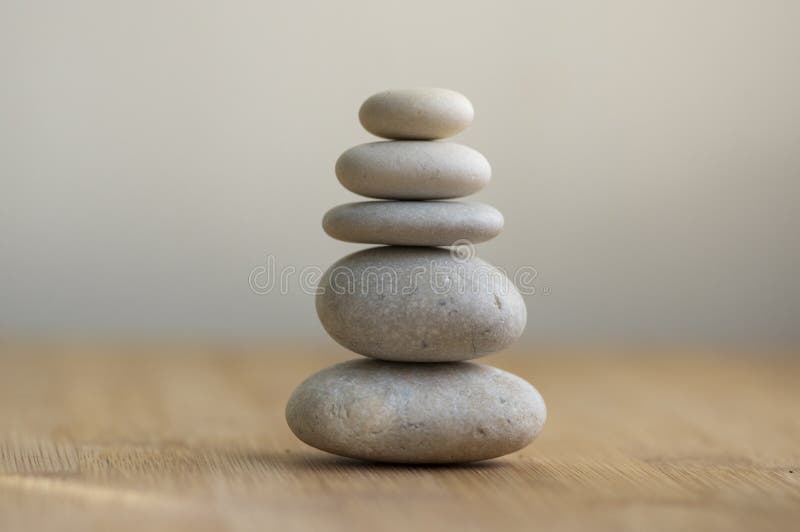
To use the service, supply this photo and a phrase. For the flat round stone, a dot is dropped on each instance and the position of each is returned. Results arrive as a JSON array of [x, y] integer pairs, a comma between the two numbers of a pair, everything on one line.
[[424, 113], [413, 223], [416, 413], [416, 304], [413, 170]]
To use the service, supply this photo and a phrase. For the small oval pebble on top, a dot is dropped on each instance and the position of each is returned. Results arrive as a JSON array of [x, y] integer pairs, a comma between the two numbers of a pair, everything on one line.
[[425, 113]]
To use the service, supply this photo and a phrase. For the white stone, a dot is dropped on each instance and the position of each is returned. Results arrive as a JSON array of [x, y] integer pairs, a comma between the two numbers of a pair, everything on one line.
[[417, 304], [413, 223], [413, 170], [416, 413], [424, 113]]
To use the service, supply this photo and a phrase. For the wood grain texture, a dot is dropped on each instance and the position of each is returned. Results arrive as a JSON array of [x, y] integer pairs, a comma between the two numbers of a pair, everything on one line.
[[178, 438]]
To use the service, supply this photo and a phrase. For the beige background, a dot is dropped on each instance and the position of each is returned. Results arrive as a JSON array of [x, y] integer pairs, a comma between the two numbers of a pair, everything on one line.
[[645, 153]]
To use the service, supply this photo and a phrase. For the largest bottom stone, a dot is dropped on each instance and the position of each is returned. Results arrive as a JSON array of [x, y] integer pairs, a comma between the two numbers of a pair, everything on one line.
[[415, 413]]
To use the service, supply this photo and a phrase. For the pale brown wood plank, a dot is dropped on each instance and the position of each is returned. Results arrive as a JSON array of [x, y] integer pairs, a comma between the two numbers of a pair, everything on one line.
[[168, 437]]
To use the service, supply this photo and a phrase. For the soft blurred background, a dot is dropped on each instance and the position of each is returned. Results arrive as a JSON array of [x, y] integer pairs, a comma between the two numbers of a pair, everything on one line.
[[646, 157]]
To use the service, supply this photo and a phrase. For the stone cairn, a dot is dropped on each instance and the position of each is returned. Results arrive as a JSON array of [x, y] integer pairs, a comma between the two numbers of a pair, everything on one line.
[[415, 309]]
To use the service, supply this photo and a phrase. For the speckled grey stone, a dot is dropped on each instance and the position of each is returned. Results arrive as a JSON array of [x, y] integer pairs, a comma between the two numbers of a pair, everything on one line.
[[418, 304], [413, 223], [416, 413], [423, 113], [413, 170]]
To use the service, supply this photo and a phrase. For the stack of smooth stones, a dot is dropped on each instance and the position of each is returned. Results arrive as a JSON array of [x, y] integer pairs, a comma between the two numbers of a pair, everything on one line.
[[416, 309]]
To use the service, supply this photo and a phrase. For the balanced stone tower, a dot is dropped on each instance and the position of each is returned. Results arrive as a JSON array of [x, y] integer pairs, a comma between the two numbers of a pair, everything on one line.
[[416, 309]]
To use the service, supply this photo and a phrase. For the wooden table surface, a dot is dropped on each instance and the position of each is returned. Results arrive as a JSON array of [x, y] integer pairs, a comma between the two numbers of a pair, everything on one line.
[[168, 437]]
